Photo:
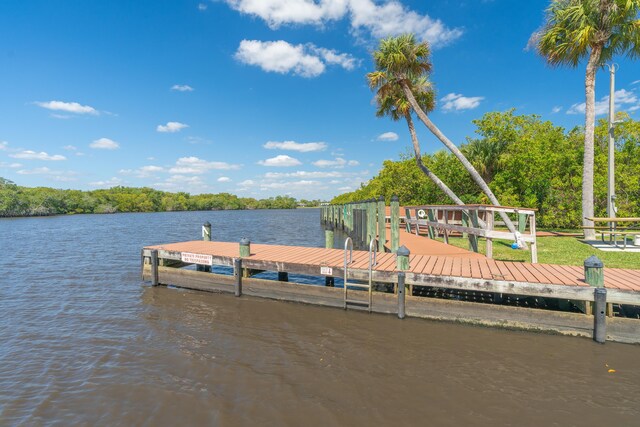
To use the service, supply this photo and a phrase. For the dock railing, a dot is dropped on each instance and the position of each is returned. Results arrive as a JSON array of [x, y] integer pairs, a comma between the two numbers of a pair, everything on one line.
[[472, 222]]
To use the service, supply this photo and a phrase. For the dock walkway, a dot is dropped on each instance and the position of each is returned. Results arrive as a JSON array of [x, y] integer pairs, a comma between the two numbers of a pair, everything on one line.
[[161, 264]]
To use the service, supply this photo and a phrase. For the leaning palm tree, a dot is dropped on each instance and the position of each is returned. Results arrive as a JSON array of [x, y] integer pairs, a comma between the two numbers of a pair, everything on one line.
[[597, 30], [392, 102], [400, 61]]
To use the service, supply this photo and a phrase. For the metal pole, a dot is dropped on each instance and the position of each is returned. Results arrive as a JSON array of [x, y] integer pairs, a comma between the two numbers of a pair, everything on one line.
[[237, 271], [611, 191]]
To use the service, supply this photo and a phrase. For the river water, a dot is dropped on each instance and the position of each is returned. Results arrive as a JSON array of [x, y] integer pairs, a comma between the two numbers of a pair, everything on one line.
[[84, 342]]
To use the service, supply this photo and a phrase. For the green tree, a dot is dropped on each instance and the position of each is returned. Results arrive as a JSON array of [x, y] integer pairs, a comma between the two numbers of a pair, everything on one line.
[[597, 30], [401, 61]]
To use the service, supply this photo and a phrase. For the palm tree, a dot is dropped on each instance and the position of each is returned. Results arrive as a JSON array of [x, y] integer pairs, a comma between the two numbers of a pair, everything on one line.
[[597, 30], [401, 61], [392, 102]]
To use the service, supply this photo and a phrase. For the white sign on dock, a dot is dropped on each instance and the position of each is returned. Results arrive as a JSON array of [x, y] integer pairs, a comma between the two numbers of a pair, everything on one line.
[[196, 258], [327, 271]]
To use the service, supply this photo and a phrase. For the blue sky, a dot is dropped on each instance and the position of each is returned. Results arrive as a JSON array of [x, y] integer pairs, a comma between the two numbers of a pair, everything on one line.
[[255, 97]]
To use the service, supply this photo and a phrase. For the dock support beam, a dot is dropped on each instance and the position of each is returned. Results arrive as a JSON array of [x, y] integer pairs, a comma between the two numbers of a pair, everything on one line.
[[237, 272], [600, 315], [154, 268], [401, 293]]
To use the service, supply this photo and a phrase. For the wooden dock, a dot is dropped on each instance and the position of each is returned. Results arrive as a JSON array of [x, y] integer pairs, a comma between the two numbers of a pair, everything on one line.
[[162, 265]]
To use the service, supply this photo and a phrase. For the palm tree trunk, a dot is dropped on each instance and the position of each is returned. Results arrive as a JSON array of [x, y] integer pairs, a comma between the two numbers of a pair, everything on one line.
[[456, 152], [433, 177], [589, 136]]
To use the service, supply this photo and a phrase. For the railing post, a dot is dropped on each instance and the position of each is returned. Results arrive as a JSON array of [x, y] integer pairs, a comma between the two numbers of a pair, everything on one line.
[[401, 295], [154, 268], [395, 223], [206, 236], [432, 217], [489, 228], [382, 225], [600, 315]]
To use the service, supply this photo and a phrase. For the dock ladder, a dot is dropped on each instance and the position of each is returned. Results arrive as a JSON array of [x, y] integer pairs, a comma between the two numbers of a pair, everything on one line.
[[348, 249]]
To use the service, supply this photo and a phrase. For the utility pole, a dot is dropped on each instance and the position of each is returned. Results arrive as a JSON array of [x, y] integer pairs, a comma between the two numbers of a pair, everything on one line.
[[611, 191]]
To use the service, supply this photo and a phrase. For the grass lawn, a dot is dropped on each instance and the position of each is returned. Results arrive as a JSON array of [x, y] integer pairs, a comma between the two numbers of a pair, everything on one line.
[[556, 250]]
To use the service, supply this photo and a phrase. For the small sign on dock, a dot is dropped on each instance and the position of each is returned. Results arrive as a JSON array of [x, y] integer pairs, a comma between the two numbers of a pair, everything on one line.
[[326, 271], [196, 258]]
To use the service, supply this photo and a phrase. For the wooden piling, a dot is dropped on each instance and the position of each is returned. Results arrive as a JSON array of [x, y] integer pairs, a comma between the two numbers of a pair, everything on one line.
[[395, 223], [328, 237], [382, 226], [599, 315], [594, 272], [402, 258], [154, 268], [238, 273], [372, 223], [245, 247], [401, 295]]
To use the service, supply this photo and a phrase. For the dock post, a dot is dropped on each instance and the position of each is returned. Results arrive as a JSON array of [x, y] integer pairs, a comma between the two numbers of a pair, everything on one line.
[[594, 272], [395, 223], [402, 263], [328, 244], [600, 315], [237, 271], [382, 225], [328, 237], [245, 251], [372, 222], [245, 247], [401, 293], [154, 268], [593, 276]]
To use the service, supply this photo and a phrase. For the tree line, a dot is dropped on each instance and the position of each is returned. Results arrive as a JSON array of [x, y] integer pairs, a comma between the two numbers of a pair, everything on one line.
[[527, 162], [16, 200]]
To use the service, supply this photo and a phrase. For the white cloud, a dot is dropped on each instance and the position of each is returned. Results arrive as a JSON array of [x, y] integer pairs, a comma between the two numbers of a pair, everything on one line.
[[304, 147], [32, 155], [280, 161], [303, 174], [391, 18], [104, 144], [111, 182], [336, 163], [55, 175], [195, 166], [68, 107], [70, 147], [635, 82], [556, 109], [457, 102], [143, 172], [388, 136], [182, 88], [202, 6], [3, 145], [282, 57], [624, 99], [345, 188], [247, 183], [289, 185], [10, 165], [377, 18], [171, 127], [224, 179], [191, 184]]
